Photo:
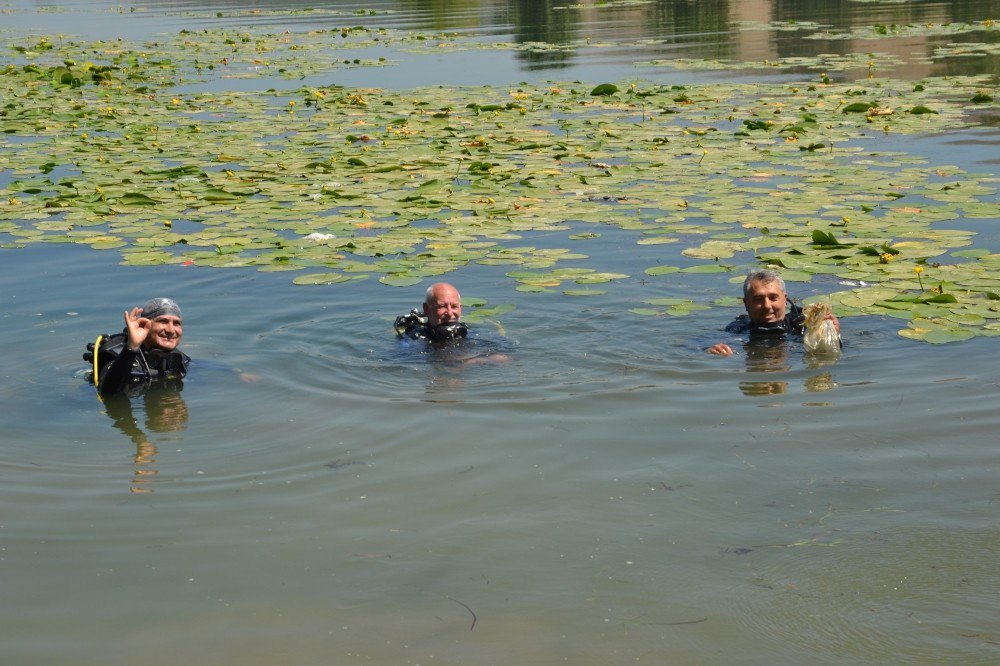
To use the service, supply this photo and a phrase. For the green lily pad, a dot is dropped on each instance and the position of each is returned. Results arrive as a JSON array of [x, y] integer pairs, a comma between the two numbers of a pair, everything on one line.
[[604, 89], [400, 280]]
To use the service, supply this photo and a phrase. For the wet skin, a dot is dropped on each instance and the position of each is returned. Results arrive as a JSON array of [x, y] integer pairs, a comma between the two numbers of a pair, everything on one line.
[[444, 306]]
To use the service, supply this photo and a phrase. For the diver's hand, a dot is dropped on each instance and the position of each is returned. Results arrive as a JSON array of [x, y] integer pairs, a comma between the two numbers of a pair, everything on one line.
[[836, 322], [138, 328], [720, 349]]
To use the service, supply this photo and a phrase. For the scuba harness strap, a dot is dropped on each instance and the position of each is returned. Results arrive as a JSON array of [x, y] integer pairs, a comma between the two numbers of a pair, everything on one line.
[[94, 355]]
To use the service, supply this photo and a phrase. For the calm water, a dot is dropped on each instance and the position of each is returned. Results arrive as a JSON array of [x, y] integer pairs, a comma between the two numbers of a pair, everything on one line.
[[611, 494]]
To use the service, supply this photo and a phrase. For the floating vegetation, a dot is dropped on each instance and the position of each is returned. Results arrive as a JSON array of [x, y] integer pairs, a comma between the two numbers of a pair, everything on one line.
[[675, 307], [882, 31], [827, 62], [113, 145], [779, 26], [968, 50]]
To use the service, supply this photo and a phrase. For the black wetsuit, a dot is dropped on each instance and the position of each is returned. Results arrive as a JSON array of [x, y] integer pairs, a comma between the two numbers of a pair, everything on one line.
[[121, 368], [415, 327], [792, 323]]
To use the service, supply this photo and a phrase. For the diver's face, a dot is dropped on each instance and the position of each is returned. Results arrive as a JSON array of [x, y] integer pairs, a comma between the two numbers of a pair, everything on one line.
[[165, 332], [444, 308], [765, 302]]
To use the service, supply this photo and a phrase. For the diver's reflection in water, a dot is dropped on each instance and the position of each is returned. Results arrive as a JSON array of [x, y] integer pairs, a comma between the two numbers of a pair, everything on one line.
[[450, 359], [765, 355], [445, 377], [772, 355], [165, 412]]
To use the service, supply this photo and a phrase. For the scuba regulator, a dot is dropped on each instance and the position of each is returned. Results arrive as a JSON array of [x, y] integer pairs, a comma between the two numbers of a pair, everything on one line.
[[414, 325]]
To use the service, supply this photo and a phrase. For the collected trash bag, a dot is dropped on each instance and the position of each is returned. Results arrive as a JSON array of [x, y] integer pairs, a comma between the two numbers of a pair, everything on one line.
[[819, 334]]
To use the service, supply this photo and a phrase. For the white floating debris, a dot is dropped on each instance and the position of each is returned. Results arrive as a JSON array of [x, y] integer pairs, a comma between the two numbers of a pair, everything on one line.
[[318, 237]]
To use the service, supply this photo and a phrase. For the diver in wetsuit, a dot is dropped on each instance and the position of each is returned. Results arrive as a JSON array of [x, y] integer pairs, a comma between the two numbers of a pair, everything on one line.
[[144, 351], [768, 311], [440, 321]]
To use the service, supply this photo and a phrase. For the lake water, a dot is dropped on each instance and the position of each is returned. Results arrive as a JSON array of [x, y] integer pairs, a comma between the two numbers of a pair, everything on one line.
[[610, 494]]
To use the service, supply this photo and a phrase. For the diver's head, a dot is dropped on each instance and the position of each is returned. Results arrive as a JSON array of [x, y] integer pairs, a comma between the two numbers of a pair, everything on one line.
[[764, 297], [165, 327], [442, 305]]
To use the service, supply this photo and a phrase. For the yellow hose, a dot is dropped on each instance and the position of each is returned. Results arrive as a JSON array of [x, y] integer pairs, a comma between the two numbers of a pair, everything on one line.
[[97, 346]]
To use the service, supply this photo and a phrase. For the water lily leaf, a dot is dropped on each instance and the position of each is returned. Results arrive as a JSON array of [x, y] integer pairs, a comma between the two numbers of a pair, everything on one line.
[[858, 107], [400, 280], [941, 298], [596, 278], [136, 199], [975, 253], [323, 278], [584, 292], [662, 270], [431, 185], [480, 314], [824, 238], [108, 244], [217, 195], [154, 258], [705, 268], [942, 336], [667, 301], [604, 89]]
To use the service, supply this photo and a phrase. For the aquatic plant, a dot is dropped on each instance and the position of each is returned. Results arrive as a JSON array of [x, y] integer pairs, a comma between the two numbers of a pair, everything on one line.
[[117, 146]]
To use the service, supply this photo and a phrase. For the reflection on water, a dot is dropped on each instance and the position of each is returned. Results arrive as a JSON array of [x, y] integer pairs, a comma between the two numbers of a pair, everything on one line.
[[820, 383], [165, 412], [568, 496], [560, 37], [447, 364], [766, 354]]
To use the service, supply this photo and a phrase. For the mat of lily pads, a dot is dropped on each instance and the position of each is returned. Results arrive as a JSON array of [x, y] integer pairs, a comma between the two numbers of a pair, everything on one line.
[[107, 144]]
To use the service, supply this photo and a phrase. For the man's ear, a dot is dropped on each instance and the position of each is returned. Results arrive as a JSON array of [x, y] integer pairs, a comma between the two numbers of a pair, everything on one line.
[[426, 309]]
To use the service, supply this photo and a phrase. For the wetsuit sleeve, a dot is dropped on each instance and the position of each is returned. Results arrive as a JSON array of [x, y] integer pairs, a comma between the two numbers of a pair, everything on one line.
[[115, 375]]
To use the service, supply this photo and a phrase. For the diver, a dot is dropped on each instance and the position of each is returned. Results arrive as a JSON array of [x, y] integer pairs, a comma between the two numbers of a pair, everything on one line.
[[146, 350], [440, 322], [440, 334], [769, 312]]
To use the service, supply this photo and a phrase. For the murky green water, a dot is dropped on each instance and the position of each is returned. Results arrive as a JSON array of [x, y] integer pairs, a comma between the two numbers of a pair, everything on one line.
[[316, 494]]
